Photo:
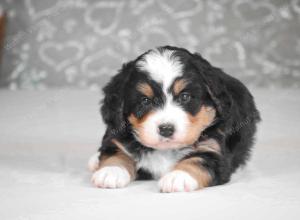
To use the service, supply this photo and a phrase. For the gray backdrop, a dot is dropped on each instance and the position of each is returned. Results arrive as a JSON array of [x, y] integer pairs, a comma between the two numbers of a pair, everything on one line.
[[81, 43]]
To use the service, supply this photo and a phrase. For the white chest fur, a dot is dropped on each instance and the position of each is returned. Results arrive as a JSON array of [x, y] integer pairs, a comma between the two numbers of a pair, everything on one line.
[[160, 162]]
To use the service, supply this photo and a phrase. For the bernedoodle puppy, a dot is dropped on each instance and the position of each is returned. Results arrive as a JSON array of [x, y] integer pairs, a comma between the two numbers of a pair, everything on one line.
[[172, 116]]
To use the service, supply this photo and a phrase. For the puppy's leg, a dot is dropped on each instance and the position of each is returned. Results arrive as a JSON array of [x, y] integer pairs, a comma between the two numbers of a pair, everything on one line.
[[204, 167], [187, 175], [116, 167]]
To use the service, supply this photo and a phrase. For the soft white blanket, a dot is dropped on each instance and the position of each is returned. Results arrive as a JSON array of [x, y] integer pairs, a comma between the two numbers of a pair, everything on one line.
[[47, 137]]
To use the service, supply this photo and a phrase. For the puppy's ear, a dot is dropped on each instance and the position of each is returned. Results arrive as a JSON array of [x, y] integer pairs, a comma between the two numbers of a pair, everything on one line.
[[214, 80], [112, 108]]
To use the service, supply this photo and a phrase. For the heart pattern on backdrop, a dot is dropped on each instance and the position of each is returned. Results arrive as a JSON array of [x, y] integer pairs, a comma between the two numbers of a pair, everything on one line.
[[181, 9], [137, 6], [101, 63], [38, 9], [150, 38], [296, 6], [254, 13], [60, 55], [226, 53], [285, 46], [103, 17], [77, 43]]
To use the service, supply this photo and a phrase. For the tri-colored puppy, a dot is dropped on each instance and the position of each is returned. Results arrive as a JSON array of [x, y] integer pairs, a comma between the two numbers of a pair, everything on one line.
[[172, 116]]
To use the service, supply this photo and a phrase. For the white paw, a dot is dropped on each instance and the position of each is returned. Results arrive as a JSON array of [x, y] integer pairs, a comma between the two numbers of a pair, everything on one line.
[[93, 163], [111, 177], [177, 181]]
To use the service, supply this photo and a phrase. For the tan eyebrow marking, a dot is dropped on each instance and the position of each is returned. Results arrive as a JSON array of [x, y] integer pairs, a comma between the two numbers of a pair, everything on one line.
[[179, 85], [199, 122], [146, 89]]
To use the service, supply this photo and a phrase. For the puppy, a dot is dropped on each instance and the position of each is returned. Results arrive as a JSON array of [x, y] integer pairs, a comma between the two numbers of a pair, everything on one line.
[[172, 116]]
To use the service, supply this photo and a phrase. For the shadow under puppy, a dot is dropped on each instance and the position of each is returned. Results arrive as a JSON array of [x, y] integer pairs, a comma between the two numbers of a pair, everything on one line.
[[172, 116]]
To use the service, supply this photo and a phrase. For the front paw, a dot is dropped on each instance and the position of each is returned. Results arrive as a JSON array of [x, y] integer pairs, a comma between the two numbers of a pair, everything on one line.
[[177, 181], [111, 177]]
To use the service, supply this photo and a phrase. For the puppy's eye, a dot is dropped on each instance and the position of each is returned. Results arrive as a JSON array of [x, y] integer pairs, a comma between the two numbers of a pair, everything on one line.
[[184, 98], [145, 101]]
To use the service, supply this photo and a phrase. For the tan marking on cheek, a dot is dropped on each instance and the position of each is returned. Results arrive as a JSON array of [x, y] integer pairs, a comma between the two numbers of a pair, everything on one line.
[[194, 168], [120, 158], [145, 89], [138, 122], [179, 85], [204, 117], [199, 123], [209, 145], [134, 121], [138, 126]]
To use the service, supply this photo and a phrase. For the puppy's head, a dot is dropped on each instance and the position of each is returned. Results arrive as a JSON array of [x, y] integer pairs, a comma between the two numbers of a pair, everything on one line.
[[166, 97]]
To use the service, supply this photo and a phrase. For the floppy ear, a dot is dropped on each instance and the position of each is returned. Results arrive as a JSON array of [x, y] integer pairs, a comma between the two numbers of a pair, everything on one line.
[[112, 108], [215, 80]]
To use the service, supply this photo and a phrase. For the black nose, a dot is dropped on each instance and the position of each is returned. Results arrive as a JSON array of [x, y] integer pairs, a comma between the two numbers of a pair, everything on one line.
[[166, 130]]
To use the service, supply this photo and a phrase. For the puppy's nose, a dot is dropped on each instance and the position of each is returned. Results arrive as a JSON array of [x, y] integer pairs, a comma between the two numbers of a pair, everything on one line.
[[166, 130]]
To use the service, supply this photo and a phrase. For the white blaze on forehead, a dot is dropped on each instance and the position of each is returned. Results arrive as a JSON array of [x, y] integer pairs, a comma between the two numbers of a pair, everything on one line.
[[163, 66]]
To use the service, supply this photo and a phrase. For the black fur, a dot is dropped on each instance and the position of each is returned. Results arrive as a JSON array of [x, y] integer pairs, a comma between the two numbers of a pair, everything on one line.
[[235, 123]]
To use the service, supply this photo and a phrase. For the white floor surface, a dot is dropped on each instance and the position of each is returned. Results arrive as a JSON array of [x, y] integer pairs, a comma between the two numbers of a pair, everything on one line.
[[47, 137]]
